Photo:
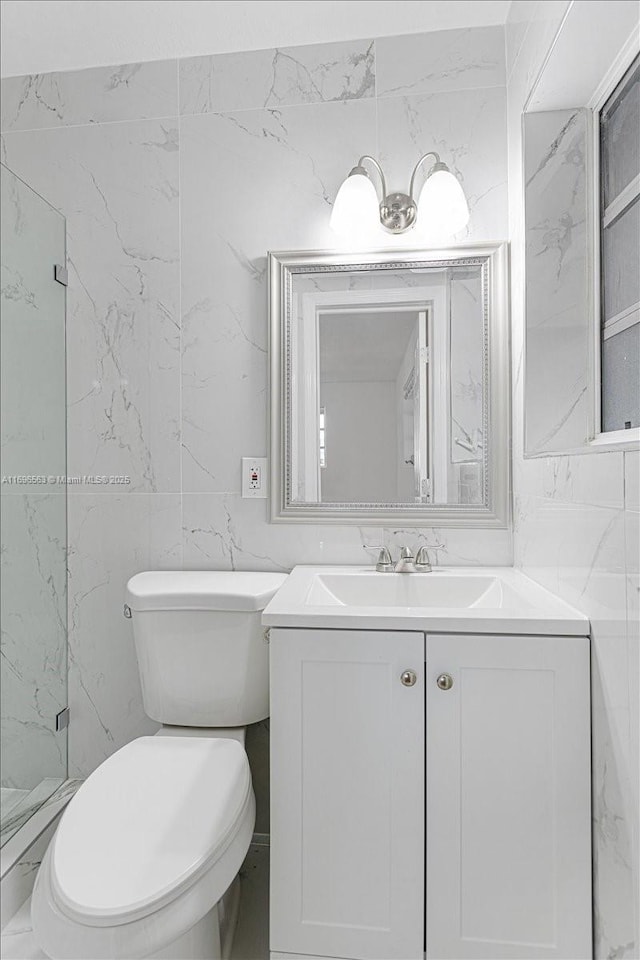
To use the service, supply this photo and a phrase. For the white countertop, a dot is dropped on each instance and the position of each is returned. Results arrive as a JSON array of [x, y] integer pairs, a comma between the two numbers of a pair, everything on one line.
[[496, 600]]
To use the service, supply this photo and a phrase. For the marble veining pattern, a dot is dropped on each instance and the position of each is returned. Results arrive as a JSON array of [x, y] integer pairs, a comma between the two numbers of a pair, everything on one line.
[[576, 530], [467, 128], [227, 532], [46, 794], [33, 518], [110, 539], [10, 797], [167, 318], [118, 187], [281, 77], [130, 91], [440, 61], [34, 683], [31, 337], [290, 154], [557, 280]]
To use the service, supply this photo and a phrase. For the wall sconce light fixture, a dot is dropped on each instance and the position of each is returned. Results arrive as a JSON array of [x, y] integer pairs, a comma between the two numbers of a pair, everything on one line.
[[441, 208]]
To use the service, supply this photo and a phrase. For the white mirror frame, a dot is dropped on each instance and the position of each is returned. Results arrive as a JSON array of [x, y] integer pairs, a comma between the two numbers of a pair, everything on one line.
[[495, 511]]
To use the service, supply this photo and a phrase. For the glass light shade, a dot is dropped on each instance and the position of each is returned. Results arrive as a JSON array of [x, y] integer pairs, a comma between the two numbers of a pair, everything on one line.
[[442, 206], [355, 213]]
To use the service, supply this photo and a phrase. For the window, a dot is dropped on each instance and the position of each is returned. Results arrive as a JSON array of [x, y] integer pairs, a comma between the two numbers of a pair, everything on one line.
[[619, 136]]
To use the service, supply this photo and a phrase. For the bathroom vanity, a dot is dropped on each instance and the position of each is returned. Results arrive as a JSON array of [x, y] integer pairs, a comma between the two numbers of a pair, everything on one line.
[[430, 767]]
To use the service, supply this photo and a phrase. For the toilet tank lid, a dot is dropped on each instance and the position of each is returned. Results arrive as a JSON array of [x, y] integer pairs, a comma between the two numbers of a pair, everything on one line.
[[202, 590]]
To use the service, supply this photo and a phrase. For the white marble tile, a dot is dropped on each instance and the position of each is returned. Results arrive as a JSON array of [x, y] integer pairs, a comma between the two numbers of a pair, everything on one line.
[[117, 184], [24, 849], [578, 550], [614, 831], [32, 338], [468, 129], [279, 77], [528, 475], [227, 532], [570, 534], [110, 539], [22, 853], [451, 546], [534, 529], [557, 281], [596, 479], [440, 61], [131, 91], [34, 809], [632, 480], [33, 638], [286, 165], [15, 815], [632, 542]]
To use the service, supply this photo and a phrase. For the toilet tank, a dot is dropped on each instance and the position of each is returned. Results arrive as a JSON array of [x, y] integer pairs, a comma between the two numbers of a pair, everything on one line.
[[203, 655]]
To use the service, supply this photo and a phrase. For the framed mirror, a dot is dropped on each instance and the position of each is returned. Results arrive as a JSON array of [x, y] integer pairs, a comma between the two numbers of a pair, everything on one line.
[[390, 387]]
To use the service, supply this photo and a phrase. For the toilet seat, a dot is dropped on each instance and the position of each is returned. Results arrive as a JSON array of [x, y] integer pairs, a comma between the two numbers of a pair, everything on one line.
[[150, 842]]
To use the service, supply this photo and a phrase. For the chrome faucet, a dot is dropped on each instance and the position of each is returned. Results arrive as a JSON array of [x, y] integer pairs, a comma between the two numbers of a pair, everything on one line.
[[406, 562]]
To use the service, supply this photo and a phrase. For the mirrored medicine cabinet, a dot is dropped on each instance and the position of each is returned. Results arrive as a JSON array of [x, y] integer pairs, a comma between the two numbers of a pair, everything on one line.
[[389, 387]]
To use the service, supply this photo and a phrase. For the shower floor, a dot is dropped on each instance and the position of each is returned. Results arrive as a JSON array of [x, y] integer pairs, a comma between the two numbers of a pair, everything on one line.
[[10, 798], [18, 805]]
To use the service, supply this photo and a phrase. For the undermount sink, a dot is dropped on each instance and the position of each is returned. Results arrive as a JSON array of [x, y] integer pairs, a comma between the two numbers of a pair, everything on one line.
[[410, 590], [498, 600]]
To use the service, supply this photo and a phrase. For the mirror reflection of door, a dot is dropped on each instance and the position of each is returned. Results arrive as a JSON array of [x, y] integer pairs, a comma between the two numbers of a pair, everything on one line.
[[387, 388], [373, 405]]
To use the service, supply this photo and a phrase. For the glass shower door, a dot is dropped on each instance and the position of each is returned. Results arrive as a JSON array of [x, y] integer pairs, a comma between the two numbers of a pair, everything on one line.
[[33, 604]]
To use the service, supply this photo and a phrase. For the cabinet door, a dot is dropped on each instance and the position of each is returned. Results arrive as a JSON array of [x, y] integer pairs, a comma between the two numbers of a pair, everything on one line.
[[508, 798], [347, 794]]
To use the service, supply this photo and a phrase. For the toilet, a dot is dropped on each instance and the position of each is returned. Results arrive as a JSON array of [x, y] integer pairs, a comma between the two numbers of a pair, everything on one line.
[[145, 860]]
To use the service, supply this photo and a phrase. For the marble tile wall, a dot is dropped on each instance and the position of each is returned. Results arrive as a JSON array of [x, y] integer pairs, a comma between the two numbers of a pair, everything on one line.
[[576, 530], [33, 676], [176, 178], [557, 360]]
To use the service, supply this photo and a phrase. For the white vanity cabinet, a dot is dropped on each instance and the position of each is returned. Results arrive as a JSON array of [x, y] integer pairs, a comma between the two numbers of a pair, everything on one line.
[[347, 789], [508, 784], [470, 841]]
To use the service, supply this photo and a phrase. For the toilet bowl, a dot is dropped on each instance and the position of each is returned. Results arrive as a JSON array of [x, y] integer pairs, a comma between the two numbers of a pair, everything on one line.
[[176, 818], [144, 862]]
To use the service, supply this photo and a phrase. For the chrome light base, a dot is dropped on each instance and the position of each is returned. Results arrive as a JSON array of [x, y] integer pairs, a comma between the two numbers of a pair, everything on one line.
[[398, 212]]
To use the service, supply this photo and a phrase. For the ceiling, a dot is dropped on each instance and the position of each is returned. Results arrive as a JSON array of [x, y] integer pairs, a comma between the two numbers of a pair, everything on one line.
[[39, 36]]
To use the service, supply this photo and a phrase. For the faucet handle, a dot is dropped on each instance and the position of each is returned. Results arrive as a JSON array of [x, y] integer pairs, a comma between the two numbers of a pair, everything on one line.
[[422, 560], [384, 564]]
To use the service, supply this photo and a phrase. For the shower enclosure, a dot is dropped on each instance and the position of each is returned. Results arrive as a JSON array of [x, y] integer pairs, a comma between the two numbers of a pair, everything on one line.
[[33, 609]]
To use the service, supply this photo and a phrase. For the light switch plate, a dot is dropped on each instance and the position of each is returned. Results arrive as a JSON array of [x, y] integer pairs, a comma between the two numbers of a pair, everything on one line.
[[254, 477]]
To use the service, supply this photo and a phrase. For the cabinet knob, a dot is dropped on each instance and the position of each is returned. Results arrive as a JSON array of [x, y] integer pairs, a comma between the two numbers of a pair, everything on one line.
[[408, 678], [445, 681]]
